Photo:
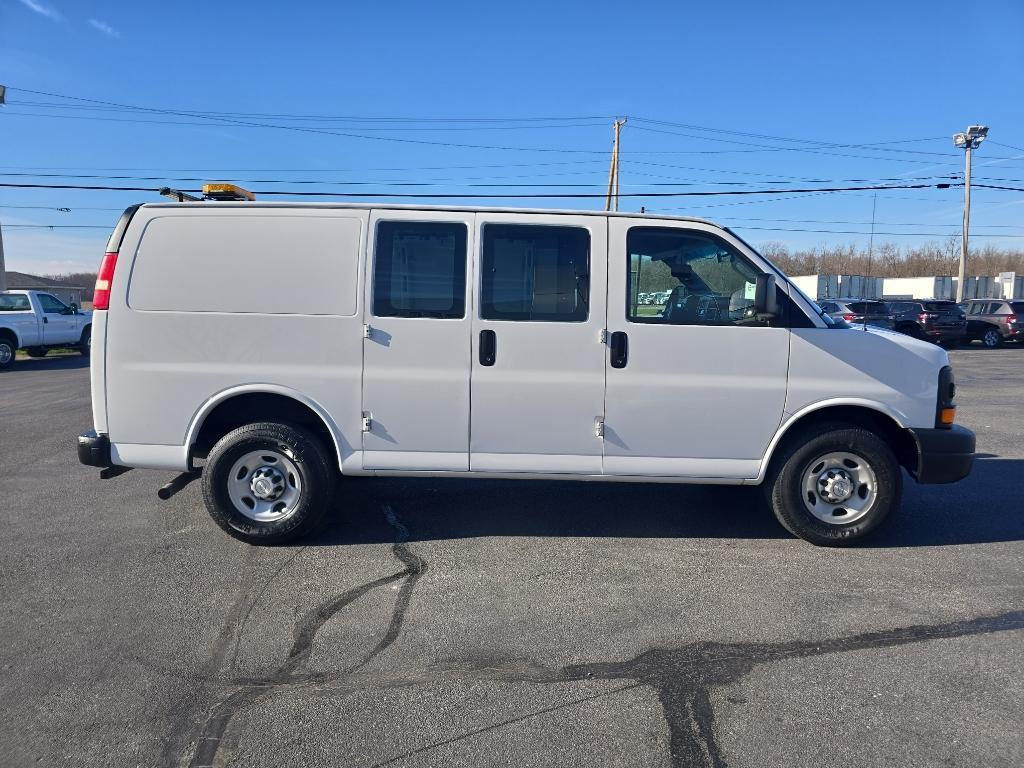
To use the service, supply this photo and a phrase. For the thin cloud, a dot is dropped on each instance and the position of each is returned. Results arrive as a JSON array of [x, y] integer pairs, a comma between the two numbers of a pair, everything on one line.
[[100, 26], [43, 10]]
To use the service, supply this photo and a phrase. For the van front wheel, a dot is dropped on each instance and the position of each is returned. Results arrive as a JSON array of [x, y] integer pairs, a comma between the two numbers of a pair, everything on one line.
[[835, 486], [268, 483]]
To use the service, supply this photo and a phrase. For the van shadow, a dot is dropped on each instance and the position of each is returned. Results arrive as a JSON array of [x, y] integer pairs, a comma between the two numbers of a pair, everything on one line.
[[58, 363], [970, 512]]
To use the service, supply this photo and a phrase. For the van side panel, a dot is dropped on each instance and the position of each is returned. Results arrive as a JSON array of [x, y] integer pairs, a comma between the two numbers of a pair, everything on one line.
[[209, 300]]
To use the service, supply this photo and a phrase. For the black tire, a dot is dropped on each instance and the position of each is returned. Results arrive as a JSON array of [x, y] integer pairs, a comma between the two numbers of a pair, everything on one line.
[[784, 485], [991, 338], [7, 350], [37, 351], [85, 343], [309, 456]]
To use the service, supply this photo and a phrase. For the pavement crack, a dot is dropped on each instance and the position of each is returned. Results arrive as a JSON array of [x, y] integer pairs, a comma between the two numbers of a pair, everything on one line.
[[219, 716]]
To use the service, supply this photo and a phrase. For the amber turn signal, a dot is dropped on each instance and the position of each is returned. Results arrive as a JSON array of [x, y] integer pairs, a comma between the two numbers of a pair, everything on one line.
[[947, 415]]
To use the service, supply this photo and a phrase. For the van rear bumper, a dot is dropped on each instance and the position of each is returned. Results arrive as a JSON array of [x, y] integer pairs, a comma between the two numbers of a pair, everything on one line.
[[94, 449], [943, 455]]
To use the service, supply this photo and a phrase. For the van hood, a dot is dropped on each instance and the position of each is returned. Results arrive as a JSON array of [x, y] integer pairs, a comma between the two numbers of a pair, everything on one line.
[[925, 350]]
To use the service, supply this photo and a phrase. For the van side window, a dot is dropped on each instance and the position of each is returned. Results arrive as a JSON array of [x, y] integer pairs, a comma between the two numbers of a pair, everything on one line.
[[419, 269], [532, 272], [687, 277]]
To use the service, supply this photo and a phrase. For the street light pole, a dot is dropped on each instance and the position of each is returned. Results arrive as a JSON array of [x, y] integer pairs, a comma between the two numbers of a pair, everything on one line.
[[969, 141], [962, 272]]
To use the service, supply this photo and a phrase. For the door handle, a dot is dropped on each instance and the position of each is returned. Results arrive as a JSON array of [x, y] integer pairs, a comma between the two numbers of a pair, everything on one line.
[[619, 346], [488, 347], [45, 319]]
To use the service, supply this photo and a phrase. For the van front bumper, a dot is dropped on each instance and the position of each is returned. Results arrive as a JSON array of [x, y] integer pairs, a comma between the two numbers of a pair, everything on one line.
[[943, 455], [93, 449]]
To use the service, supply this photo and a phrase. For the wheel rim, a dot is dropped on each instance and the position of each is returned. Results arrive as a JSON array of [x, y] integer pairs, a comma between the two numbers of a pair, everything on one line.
[[839, 488], [991, 338], [6, 353], [265, 485]]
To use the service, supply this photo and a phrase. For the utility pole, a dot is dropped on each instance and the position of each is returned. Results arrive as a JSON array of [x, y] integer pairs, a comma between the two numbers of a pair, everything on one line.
[[3, 269], [612, 201], [968, 141]]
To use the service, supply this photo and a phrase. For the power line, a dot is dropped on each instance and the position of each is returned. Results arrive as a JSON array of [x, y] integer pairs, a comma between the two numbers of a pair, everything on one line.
[[785, 138], [303, 129], [436, 182], [229, 122], [58, 226], [539, 195], [877, 146], [996, 186], [861, 232], [1008, 146], [341, 118], [865, 223]]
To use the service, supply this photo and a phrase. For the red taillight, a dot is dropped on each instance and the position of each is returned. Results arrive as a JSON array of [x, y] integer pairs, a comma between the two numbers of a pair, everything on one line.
[[924, 317], [1011, 319], [848, 317], [101, 296]]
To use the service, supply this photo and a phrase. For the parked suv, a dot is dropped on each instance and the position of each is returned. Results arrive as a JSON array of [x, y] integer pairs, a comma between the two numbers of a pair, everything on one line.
[[275, 350], [855, 311], [932, 319], [993, 321]]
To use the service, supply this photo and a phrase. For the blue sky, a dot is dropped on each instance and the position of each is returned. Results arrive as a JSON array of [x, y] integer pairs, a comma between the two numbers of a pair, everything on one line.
[[893, 79]]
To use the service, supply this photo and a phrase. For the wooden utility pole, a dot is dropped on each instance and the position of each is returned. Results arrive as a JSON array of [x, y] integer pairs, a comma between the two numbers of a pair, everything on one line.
[[612, 201]]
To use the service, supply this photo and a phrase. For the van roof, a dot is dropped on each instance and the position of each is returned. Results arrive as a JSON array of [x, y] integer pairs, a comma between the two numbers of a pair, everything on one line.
[[411, 207]]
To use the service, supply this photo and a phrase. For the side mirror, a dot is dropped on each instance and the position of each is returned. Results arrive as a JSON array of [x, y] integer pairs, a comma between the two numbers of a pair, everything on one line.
[[74, 308], [765, 303]]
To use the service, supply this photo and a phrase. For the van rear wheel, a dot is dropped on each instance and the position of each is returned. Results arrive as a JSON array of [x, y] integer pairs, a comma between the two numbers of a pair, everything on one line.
[[268, 483], [834, 486]]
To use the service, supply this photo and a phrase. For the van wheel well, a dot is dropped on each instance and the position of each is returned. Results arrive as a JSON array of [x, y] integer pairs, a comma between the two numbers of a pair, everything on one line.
[[255, 407], [898, 439]]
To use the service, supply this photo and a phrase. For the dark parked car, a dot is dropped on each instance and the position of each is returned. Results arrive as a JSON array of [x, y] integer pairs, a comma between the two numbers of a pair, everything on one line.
[[993, 321], [931, 319], [854, 311]]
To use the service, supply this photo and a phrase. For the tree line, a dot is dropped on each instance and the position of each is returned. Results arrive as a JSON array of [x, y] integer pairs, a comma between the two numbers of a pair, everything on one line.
[[889, 260]]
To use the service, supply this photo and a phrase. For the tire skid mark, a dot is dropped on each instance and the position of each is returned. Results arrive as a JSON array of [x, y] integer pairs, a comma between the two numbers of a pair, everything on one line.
[[211, 735], [683, 678]]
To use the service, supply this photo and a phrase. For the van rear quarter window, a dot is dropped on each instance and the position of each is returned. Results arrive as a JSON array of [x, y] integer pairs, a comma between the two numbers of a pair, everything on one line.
[[304, 265]]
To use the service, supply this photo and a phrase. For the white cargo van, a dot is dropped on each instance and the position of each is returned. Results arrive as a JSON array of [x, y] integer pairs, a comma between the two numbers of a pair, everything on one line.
[[278, 348]]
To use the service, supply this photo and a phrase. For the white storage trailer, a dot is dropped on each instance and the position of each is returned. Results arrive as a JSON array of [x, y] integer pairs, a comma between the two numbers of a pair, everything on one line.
[[941, 287], [818, 286]]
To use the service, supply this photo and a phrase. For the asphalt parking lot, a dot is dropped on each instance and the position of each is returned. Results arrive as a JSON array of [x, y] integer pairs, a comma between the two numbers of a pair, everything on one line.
[[441, 622]]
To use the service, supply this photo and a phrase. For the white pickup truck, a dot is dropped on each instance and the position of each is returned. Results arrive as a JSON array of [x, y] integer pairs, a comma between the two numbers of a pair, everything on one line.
[[38, 322]]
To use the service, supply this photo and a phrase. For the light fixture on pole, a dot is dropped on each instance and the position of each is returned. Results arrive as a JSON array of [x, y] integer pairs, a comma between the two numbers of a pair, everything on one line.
[[968, 141]]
